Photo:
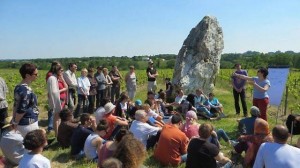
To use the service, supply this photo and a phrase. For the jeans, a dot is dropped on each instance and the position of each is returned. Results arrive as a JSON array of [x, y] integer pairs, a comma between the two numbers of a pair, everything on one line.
[[236, 96], [227, 165], [50, 119], [115, 93], [99, 97], [91, 107], [82, 102], [205, 110], [222, 134]]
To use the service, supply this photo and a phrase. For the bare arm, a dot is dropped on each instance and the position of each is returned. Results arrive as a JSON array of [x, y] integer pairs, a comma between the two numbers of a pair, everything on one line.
[[242, 76], [222, 159]]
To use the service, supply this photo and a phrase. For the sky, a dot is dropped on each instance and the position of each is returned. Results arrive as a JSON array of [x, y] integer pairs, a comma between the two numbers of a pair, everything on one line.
[[84, 28]]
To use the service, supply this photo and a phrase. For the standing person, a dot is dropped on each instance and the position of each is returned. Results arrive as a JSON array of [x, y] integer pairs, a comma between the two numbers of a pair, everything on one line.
[[93, 90], [35, 141], [239, 90], [3, 102], [101, 85], [108, 81], [54, 96], [278, 154], [172, 145], [130, 80], [169, 88], [71, 80], [115, 88], [83, 93], [202, 153], [25, 110], [151, 74], [260, 87], [50, 111]]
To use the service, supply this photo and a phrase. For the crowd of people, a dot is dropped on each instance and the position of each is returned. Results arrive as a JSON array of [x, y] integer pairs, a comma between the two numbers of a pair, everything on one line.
[[90, 115]]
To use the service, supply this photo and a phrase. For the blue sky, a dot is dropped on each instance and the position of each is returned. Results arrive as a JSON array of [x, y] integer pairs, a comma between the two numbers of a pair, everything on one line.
[[83, 28]]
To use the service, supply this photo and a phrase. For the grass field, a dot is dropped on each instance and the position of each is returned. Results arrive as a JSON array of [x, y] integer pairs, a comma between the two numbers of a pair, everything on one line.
[[60, 157]]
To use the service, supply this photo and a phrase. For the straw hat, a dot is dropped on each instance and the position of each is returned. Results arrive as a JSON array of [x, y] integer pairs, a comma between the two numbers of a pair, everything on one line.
[[109, 107], [7, 122]]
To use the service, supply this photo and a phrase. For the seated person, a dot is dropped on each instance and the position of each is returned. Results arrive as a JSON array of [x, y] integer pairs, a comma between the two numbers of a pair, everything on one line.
[[80, 134], [190, 127], [137, 106], [152, 101], [169, 88], [114, 122], [203, 154], [154, 118], [215, 105], [201, 104], [66, 128], [35, 141], [180, 97], [94, 141], [246, 125], [172, 144], [11, 144], [122, 106], [109, 147], [251, 143], [142, 130]]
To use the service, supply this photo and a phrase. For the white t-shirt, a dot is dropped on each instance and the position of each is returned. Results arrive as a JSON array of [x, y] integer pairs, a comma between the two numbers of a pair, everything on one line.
[[180, 99], [89, 149], [84, 83], [275, 155], [34, 161], [152, 113], [142, 131]]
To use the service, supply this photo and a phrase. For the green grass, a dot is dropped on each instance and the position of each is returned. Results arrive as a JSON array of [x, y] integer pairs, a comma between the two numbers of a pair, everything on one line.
[[60, 158]]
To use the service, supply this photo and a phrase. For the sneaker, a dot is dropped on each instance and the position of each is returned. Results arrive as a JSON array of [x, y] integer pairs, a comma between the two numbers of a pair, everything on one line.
[[233, 143]]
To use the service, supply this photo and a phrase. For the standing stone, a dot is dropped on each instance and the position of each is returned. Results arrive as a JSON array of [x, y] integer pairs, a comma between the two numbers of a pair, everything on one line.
[[198, 61]]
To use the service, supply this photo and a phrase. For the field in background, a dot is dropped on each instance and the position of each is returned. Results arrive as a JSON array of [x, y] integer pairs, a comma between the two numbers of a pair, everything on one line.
[[60, 157]]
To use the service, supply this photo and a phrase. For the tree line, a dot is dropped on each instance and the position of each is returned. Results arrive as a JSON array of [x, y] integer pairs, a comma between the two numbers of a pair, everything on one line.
[[249, 60]]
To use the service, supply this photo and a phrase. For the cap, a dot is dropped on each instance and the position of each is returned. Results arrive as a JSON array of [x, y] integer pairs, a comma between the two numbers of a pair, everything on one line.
[[138, 102]]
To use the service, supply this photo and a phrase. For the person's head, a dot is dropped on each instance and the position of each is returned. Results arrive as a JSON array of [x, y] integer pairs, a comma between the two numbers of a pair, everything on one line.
[[146, 107], [141, 115], [199, 92], [191, 116], [57, 69], [72, 67], [105, 71], [109, 108], [53, 64], [91, 71], [99, 69], [261, 127], [167, 80], [131, 68], [121, 134], [150, 95], [179, 92], [211, 96], [85, 119], [114, 68], [29, 71], [112, 163], [66, 115], [124, 97], [176, 119], [138, 103], [238, 66], [263, 72], [162, 95], [205, 130], [131, 152], [150, 63], [35, 139], [84, 72], [280, 134], [102, 127], [254, 111]]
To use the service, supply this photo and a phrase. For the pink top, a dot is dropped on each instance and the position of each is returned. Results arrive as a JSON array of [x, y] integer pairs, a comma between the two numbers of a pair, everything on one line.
[[191, 130], [104, 153]]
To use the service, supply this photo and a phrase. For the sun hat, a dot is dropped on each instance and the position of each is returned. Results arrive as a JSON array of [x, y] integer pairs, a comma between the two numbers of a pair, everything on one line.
[[255, 111], [109, 107], [138, 102], [7, 122]]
